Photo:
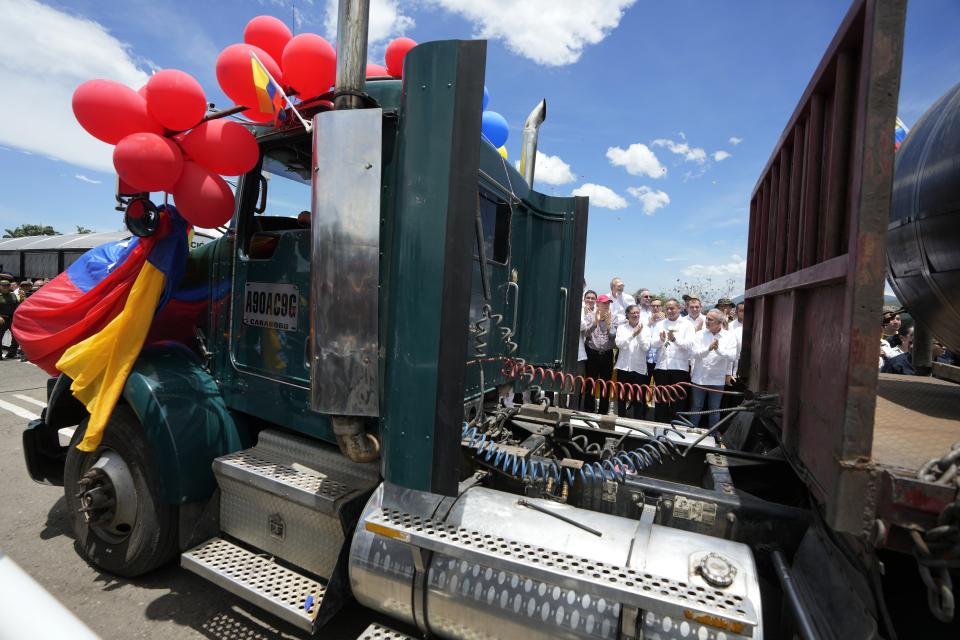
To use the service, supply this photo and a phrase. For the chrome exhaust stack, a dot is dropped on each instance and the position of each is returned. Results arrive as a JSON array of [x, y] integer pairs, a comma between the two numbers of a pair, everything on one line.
[[353, 20], [531, 132]]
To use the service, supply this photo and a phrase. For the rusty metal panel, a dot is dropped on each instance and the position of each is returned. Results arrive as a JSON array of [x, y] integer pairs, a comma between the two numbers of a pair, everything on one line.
[[793, 211], [815, 259]]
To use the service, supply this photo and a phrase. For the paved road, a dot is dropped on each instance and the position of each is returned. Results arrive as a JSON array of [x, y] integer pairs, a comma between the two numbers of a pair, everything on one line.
[[169, 603]]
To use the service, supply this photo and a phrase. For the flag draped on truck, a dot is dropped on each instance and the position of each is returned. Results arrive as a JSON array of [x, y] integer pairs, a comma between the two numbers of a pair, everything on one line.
[[90, 322]]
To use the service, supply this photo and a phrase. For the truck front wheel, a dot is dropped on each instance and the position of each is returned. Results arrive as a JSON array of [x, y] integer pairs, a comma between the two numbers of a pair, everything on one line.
[[121, 523]]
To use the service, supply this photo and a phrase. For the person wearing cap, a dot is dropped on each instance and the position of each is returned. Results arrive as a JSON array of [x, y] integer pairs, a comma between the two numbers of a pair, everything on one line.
[[891, 328], [713, 352], [726, 306], [598, 342], [674, 336], [619, 301], [26, 288], [8, 304]]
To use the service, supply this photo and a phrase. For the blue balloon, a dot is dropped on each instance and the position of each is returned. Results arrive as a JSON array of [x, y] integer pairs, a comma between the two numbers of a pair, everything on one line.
[[495, 128], [486, 97]]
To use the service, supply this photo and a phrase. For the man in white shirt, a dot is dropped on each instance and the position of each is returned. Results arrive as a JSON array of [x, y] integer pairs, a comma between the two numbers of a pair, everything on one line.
[[599, 343], [674, 336], [587, 316], [633, 340], [694, 306], [739, 320], [645, 302], [619, 301], [713, 352]]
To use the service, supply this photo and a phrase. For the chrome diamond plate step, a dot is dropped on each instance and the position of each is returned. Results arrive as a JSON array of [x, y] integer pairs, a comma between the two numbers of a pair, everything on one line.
[[258, 580], [682, 601], [295, 482], [379, 632]]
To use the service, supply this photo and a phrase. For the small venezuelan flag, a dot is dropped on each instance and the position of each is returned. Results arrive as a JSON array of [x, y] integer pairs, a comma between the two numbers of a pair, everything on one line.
[[900, 132], [270, 96]]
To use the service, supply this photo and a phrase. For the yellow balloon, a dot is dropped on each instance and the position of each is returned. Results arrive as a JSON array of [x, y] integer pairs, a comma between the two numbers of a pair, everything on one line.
[[503, 152]]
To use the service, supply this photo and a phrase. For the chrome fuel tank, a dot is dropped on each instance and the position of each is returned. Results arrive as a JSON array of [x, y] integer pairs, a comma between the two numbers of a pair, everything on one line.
[[484, 566]]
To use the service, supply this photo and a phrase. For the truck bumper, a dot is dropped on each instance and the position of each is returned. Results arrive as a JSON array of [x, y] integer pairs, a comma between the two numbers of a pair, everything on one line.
[[42, 452]]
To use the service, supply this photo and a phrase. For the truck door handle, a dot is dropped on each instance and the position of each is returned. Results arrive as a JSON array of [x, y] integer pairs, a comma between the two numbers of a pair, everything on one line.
[[516, 302]]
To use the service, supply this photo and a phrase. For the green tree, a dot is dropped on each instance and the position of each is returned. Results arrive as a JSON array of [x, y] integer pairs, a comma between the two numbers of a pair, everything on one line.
[[83, 229], [30, 230]]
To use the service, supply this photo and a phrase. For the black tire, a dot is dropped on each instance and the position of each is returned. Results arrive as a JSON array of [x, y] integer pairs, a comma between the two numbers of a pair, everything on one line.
[[152, 539]]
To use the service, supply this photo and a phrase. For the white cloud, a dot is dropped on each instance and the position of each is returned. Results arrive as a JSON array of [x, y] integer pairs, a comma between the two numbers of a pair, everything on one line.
[[637, 159], [674, 259], [601, 196], [552, 170], [83, 178], [690, 154], [650, 200], [44, 55], [721, 155], [387, 21], [734, 140], [736, 267], [549, 32]]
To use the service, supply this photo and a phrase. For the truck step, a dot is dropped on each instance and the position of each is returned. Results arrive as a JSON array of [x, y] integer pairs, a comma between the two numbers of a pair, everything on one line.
[[379, 632], [258, 580], [296, 483], [284, 497]]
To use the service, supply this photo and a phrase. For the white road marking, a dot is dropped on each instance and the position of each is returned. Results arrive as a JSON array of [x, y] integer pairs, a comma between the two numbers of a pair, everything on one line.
[[39, 403], [17, 410]]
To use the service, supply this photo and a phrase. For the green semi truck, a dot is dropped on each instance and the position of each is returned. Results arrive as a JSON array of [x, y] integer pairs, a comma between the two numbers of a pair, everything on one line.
[[334, 426]]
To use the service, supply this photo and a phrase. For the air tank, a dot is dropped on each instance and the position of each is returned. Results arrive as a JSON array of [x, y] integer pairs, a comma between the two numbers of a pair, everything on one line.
[[923, 238]]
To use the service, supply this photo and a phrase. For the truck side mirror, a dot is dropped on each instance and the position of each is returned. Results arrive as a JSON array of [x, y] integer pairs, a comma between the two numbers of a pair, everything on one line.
[[141, 217]]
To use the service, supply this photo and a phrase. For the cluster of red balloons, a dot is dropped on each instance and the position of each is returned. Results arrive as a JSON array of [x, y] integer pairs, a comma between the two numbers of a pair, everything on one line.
[[304, 65], [163, 143]]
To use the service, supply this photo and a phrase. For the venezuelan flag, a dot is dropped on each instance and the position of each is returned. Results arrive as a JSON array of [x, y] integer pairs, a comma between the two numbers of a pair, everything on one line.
[[900, 132], [90, 322], [270, 96]]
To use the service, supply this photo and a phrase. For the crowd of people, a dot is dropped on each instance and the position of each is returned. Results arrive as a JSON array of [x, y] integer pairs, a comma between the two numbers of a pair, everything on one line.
[[646, 340], [896, 346], [13, 291]]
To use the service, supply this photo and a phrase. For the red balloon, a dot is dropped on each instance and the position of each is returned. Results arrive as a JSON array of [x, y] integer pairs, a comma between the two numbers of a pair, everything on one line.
[[222, 146], [111, 111], [309, 65], [268, 33], [143, 92], [148, 162], [235, 75], [202, 197], [396, 52], [175, 99], [376, 70]]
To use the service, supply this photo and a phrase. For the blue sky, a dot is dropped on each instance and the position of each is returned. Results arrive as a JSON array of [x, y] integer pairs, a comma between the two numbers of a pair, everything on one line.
[[704, 87]]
